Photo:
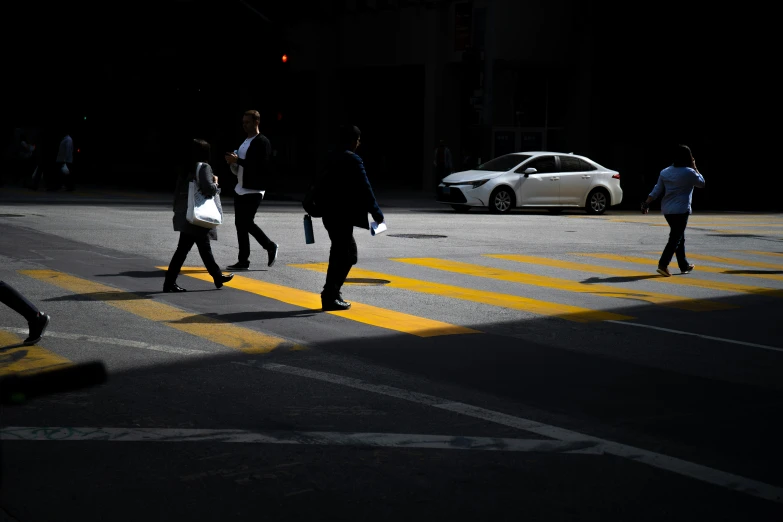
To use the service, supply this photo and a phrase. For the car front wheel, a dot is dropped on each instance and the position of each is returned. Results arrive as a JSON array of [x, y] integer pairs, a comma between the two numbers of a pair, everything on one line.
[[597, 201], [501, 201]]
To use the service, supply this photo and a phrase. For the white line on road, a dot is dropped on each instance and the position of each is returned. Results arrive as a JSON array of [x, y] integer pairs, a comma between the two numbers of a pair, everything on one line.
[[710, 337], [110, 340], [657, 460], [386, 440]]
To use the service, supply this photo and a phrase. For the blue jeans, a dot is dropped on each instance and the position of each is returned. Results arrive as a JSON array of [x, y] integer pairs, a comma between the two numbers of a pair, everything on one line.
[[676, 244]]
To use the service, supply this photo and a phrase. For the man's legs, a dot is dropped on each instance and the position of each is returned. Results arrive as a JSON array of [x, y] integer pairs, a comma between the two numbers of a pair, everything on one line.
[[676, 243], [245, 208], [343, 254], [36, 320], [205, 251]]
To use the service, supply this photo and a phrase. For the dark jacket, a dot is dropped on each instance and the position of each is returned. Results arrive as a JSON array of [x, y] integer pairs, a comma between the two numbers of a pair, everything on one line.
[[345, 193], [257, 163], [208, 187]]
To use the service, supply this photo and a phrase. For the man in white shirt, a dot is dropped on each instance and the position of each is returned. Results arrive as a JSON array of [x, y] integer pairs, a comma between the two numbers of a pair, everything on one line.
[[250, 164]]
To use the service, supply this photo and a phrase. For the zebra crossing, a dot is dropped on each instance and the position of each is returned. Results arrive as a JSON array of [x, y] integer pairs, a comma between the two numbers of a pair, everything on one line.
[[528, 284]]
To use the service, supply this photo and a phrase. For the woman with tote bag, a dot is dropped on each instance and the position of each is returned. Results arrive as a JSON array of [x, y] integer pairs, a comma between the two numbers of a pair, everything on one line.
[[206, 183]]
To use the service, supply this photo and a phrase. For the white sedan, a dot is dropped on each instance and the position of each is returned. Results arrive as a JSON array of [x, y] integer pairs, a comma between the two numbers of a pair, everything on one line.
[[550, 180]]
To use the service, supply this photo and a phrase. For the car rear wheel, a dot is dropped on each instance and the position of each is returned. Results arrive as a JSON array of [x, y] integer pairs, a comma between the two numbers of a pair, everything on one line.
[[597, 201], [460, 208]]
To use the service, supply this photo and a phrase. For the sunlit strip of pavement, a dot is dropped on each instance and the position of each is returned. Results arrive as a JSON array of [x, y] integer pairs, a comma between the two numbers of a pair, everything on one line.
[[126, 343], [735, 261], [650, 458], [322, 438], [682, 303], [622, 272], [563, 311], [359, 312], [690, 281], [225, 334], [760, 253], [21, 359]]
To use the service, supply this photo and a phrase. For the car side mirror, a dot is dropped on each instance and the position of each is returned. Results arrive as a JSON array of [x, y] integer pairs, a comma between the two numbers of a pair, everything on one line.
[[529, 171]]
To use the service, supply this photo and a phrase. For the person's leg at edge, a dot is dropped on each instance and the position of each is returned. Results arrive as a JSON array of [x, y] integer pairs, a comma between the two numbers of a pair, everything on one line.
[[37, 321]]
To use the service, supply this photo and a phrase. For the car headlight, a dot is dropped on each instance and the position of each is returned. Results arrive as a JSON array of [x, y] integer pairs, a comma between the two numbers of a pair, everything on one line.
[[477, 184]]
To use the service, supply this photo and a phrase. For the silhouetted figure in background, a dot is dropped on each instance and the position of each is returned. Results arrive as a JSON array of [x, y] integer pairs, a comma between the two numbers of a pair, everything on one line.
[[442, 162]]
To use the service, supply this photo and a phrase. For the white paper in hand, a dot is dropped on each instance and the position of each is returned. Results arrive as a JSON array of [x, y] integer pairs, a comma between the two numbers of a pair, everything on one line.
[[376, 229]]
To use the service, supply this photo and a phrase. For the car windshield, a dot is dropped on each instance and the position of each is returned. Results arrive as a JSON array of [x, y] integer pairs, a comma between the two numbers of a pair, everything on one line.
[[503, 163]]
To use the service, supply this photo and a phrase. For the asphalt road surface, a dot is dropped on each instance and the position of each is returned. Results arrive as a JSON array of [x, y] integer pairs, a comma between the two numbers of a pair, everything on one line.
[[521, 367]]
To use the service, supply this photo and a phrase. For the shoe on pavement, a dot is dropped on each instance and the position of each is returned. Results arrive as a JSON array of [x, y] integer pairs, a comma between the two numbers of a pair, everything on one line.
[[173, 287], [688, 270], [272, 252], [334, 304], [239, 266], [224, 278], [664, 271], [37, 328]]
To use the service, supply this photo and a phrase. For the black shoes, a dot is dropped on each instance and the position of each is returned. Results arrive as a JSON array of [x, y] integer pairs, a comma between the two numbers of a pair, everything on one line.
[[37, 328], [223, 279], [688, 270], [239, 266], [173, 287], [272, 252], [334, 304]]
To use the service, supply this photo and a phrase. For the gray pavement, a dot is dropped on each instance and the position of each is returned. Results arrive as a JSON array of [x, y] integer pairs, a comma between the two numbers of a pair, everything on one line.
[[667, 412]]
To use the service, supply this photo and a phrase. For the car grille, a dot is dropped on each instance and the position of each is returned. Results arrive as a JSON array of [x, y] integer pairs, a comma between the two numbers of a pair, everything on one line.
[[455, 195]]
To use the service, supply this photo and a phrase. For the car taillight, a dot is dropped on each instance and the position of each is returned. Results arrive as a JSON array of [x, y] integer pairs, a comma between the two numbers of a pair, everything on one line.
[[616, 176]]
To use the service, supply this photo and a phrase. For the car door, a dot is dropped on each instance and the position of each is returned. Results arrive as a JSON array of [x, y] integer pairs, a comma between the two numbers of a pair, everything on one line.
[[576, 178], [541, 188]]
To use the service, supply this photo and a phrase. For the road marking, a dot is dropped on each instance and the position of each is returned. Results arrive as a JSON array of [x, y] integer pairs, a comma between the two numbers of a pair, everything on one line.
[[760, 253], [362, 313], [226, 334], [735, 261], [657, 460], [710, 337], [703, 283], [117, 342], [26, 359], [383, 440], [683, 303], [562, 311]]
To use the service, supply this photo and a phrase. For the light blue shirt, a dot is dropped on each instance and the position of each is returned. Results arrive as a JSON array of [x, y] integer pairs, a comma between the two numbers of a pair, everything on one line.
[[678, 183]]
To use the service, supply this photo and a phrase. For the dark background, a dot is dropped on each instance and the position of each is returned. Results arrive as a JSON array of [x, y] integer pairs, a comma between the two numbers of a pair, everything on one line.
[[135, 81]]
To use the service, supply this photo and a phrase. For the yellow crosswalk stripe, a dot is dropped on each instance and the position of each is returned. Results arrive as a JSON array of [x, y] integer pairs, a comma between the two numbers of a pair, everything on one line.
[[760, 253], [694, 305], [568, 312], [359, 312], [226, 334], [703, 283], [26, 359], [621, 272], [735, 261]]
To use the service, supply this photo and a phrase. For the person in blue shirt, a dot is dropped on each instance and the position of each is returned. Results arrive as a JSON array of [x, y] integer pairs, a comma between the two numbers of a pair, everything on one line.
[[677, 182]]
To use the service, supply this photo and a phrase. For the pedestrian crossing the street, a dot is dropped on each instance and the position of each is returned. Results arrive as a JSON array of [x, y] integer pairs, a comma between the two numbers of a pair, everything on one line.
[[570, 287]]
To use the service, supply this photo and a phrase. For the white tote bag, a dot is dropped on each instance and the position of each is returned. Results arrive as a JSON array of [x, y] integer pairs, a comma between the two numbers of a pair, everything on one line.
[[203, 211]]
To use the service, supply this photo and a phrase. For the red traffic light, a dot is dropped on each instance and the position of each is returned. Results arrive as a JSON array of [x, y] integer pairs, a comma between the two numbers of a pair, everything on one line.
[[285, 58]]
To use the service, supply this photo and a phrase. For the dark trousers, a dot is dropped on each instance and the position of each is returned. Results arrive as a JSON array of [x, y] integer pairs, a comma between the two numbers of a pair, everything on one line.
[[676, 244], [17, 302], [245, 208], [55, 179], [186, 242], [343, 254]]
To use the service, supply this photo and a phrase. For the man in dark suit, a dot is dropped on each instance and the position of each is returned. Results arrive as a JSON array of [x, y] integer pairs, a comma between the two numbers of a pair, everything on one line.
[[250, 164], [346, 197]]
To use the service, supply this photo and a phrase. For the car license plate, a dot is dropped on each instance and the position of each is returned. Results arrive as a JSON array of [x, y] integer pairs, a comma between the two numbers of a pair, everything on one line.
[[446, 190]]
